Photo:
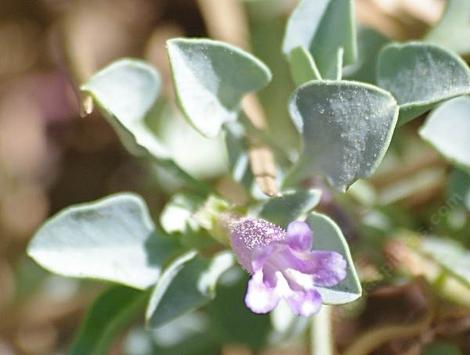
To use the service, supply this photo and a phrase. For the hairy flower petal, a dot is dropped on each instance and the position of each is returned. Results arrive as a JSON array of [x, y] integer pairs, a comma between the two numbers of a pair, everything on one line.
[[299, 236]]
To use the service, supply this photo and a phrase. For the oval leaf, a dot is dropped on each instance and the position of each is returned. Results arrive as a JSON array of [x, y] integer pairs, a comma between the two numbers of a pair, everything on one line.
[[453, 30], [111, 312], [290, 206], [187, 284], [328, 236], [420, 76], [448, 130], [323, 27], [346, 129], [112, 239], [125, 91], [210, 80]]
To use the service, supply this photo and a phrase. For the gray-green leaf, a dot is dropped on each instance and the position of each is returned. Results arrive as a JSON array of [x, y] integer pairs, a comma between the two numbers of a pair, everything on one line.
[[302, 66], [112, 239], [125, 91], [370, 42], [420, 76], [187, 284], [110, 314], [448, 130], [323, 27], [211, 77], [450, 255], [290, 206], [453, 30], [346, 129], [328, 236], [458, 188]]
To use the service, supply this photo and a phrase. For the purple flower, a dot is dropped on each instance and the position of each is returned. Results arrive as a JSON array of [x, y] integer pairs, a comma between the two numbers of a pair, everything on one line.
[[282, 265]]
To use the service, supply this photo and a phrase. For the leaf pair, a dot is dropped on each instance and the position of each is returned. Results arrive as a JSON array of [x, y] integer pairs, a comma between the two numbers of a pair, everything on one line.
[[321, 35], [347, 126]]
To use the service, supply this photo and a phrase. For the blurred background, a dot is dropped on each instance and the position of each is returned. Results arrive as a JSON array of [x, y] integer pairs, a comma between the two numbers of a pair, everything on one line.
[[51, 156]]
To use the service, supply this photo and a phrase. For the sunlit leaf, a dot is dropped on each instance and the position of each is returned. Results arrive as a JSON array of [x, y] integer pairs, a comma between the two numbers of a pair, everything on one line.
[[346, 129], [420, 76], [125, 91], [448, 130], [211, 78], [328, 236], [112, 239]]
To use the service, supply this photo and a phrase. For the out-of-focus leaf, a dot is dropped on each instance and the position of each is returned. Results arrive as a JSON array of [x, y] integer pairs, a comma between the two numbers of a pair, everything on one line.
[[112, 239], [179, 218], [458, 188], [328, 236], [187, 284], [125, 91], [267, 27], [188, 148], [211, 78], [420, 76], [237, 150], [453, 30], [369, 44], [290, 206], [111, 312], [452, 256], [323, 27], [177, 215], [448, 130], [231, 321], [346, 129], [441, 348], [302, 66], [187, 335]]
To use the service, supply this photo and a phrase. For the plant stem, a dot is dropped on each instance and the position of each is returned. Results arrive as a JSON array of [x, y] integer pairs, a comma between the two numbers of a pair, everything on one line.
[[321, 332]]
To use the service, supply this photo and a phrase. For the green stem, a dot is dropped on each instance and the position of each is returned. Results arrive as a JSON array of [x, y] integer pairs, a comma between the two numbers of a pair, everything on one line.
[[321, 332], [192, 183]]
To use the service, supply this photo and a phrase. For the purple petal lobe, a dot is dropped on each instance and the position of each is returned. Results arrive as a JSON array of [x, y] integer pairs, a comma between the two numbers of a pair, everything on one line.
[[299, 236], [259, 297], [304, 302], [328, 268]]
